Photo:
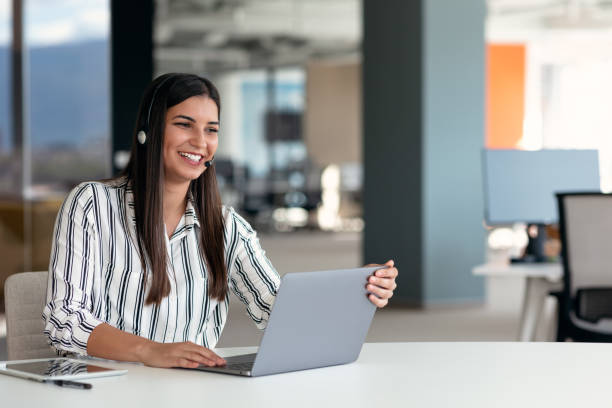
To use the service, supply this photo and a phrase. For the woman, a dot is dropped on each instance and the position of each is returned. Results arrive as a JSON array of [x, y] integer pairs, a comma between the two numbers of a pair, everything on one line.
[[141, 265]]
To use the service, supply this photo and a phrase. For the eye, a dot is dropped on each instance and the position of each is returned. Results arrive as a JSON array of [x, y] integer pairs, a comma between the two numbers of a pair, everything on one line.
[[213, 130], [183, 124]]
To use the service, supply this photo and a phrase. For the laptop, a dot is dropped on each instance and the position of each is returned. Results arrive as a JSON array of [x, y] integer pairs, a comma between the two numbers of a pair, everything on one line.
[[319, 319]]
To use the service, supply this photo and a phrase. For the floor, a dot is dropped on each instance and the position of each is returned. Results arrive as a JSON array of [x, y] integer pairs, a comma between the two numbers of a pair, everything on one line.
[[314, 251]]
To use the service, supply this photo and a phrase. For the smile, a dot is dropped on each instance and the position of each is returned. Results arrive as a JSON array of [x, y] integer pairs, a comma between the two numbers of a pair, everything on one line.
[[192, 158]]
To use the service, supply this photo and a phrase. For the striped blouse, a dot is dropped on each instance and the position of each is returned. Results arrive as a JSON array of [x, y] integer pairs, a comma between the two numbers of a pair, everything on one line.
[[95, 274]]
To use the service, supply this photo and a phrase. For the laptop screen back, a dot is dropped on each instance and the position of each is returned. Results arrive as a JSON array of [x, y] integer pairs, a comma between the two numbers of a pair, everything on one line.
[[318, 319]]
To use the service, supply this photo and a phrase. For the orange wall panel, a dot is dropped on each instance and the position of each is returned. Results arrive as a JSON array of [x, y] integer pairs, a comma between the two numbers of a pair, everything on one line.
[[505, 99]]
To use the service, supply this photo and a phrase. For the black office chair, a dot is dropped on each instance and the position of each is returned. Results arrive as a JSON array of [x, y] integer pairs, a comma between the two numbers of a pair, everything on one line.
[[585, 303]]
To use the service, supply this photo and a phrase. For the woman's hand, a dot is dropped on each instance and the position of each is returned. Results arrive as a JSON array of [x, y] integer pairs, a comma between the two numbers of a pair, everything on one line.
[[186, 355], [382, 284]]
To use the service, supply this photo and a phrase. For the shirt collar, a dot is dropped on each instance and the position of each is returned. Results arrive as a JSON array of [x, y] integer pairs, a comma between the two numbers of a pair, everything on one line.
[[190, 215]]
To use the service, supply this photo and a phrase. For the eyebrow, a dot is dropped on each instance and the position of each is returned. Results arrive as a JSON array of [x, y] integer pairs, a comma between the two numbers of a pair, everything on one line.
[[189, 118]]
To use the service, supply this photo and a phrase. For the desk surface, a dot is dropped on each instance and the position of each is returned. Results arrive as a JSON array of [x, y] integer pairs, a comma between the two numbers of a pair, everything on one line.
[[549, 271], [386, 374]]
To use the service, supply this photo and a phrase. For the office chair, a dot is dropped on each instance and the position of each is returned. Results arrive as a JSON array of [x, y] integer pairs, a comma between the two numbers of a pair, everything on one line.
[[24, 299], [585, 303]]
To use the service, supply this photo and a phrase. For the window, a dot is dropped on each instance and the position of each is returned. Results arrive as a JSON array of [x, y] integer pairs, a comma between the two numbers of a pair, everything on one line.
[[66, 131], [68, 92]]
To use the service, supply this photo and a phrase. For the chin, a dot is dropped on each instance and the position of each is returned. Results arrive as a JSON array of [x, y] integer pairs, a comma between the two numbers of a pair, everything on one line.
[[194, 176], [186, 177], [184, 173]]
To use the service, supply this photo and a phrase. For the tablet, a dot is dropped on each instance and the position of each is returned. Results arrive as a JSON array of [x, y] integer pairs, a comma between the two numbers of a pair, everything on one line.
[[59, 368]]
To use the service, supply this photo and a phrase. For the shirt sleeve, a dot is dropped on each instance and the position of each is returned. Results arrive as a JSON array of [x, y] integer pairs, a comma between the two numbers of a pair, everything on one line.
[[68, 315], [252, 277]]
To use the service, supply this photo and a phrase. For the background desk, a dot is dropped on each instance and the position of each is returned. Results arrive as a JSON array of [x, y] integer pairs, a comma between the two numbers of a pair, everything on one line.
[[387, 374], [540, 280]]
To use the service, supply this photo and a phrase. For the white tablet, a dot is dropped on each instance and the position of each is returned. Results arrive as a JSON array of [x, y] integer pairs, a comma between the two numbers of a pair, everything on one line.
[[59, 368]]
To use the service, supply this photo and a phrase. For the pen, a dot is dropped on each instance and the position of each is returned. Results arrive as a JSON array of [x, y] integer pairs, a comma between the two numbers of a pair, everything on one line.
[[69, 384]]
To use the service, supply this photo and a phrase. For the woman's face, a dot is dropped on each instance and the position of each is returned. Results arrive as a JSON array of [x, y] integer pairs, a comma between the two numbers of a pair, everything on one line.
[[190, 138]]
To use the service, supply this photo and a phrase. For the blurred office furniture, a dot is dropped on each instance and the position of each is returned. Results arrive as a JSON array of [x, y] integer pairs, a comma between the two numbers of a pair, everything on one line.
[[296, 185], [585, 303], [520, 185], [24, 299], [16, 242], [283, 125], [540, 280], [231, 179], [419, 374]]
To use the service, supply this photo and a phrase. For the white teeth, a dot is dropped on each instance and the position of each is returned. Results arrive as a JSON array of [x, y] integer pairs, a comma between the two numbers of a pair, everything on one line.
[[193, 157]]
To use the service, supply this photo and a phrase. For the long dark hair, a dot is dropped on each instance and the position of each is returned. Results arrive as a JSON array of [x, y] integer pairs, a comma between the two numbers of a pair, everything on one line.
[[145, 173]]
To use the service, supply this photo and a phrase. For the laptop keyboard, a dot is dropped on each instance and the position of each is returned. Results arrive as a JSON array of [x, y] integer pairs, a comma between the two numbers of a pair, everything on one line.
[[242, 362], [240, 366]]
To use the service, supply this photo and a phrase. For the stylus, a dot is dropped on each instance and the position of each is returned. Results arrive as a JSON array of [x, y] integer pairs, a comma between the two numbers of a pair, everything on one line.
[[70, 384]]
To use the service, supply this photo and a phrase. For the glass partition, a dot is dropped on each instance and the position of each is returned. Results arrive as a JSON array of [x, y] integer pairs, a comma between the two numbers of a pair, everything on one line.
[[65, 105]]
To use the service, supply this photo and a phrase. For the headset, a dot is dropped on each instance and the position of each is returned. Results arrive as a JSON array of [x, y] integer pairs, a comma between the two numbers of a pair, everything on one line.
[[142, 134]]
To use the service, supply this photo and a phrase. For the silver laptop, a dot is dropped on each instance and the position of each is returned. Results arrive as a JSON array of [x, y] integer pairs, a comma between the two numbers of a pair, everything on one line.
[[318, 319]]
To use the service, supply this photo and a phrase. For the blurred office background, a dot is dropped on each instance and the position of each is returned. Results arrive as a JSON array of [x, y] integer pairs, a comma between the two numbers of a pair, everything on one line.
[[351, 130]]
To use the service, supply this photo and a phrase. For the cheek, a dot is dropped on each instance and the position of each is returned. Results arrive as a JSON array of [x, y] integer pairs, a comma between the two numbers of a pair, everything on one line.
[[213, 143], [173, 139], [166, 155], [168, 147]]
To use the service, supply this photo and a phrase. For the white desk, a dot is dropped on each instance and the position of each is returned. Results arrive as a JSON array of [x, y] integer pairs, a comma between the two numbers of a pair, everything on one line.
[[387, 374], [540, 280]]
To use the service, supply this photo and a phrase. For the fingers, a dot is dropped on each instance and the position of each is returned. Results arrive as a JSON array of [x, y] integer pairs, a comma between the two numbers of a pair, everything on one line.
[[198, 358], [388, 263], [184, 363], [378, 302], [379, 292], [390, 272], [186, 354], [385, 283], [202, 354], [382, 284]]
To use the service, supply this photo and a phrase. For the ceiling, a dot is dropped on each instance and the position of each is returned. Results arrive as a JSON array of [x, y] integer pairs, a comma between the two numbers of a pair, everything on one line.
[[523, 20], [220, 35]]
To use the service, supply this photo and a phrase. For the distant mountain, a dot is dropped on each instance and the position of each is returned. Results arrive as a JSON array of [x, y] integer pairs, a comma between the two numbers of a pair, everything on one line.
[[69, 94]]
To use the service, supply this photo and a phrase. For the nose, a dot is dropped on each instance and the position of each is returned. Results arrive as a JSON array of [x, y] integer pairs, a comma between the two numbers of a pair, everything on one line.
[[200, 139]]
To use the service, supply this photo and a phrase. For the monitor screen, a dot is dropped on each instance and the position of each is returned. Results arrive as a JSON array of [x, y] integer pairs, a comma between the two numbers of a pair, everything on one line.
[[520, 185], [283, 126]]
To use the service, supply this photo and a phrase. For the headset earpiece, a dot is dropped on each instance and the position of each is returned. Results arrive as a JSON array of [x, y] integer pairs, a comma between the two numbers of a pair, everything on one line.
[[142, 137]]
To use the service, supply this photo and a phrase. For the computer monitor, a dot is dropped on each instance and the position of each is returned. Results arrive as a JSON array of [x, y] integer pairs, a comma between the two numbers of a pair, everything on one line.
[[520, 186]]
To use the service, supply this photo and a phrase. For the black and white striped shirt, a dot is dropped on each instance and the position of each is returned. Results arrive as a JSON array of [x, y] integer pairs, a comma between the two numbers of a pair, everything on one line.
[[95, 274]]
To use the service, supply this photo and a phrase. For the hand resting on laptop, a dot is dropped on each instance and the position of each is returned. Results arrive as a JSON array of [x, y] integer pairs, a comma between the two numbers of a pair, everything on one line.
[[382, 284]]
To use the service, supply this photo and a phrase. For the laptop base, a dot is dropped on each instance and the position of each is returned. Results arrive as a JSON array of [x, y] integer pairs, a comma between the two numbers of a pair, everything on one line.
[[236, 365]]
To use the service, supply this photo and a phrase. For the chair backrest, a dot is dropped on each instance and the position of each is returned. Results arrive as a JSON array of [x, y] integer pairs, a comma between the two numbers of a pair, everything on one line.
[[24, 299], [586, 233]]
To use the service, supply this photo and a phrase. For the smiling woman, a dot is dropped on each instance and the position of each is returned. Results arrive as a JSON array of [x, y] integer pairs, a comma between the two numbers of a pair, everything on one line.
[[177, 114], [191, 137], [142, 265]]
